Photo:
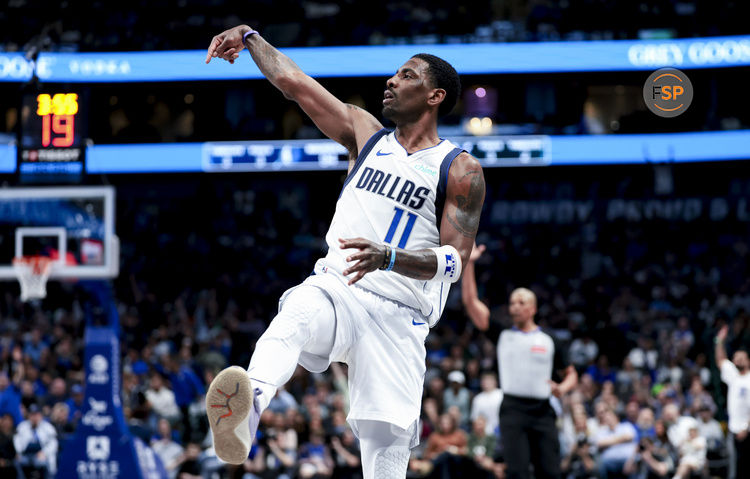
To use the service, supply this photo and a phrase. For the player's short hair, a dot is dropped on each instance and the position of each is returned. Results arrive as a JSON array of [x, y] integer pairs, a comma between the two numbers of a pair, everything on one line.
[[443, 76]]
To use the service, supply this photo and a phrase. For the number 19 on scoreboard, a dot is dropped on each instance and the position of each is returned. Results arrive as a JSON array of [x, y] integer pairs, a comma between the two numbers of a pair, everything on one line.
[[53, 128], [58, 114]]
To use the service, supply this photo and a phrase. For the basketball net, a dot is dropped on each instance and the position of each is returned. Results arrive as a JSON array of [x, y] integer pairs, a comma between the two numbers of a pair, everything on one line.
[[32, 273]]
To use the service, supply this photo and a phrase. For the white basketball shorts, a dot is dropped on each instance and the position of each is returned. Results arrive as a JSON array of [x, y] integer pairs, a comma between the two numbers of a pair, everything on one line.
[[383, 343]]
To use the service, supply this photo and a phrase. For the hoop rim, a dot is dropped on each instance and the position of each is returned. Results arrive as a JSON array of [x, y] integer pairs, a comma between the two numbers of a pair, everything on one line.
[[39, 266], [44, 261]]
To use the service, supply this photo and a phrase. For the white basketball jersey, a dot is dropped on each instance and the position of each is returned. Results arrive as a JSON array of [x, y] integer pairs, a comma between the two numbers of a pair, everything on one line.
[[396, 198]]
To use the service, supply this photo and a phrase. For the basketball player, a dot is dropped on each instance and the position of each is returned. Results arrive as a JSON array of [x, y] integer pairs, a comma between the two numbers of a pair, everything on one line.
[[404, 224], [528, 359]]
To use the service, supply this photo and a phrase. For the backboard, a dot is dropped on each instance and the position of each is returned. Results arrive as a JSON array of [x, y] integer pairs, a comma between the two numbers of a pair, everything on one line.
[[73, 225]]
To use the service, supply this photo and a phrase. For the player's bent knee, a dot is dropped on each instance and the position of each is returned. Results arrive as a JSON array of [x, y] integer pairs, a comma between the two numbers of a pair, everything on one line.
[[304, 312]]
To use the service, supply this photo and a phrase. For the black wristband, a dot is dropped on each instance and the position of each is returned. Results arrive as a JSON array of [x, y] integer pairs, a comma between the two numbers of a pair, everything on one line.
[[386, 258]]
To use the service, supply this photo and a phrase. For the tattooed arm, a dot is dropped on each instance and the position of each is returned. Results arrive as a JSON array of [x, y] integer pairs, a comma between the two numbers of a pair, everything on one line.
[[458, 227], [346, 124], [463, 205]]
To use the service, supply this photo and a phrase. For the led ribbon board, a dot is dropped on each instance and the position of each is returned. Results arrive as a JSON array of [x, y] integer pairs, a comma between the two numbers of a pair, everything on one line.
[[493, 151], [363, 61]]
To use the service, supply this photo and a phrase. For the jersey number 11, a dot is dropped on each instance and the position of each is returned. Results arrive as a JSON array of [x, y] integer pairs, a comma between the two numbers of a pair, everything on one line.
[[411, 218]]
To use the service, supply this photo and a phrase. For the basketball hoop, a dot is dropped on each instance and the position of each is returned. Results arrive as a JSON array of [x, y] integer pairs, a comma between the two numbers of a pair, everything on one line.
[[32, 273]]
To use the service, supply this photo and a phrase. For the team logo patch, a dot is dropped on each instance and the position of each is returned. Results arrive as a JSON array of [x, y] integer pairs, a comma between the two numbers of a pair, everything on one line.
[[450, 265], [538, 349]]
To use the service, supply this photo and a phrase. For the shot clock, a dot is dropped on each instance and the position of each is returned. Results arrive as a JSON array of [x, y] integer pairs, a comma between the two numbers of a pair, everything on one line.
[[52, 137]]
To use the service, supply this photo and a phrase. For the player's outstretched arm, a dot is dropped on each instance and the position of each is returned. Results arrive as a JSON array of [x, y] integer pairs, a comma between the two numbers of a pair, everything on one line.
[[463, 206], [346, 124], [477, 311]]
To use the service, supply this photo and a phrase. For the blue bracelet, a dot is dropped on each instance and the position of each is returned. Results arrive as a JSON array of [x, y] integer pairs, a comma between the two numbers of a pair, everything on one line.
[[247, 34], [393, 259]]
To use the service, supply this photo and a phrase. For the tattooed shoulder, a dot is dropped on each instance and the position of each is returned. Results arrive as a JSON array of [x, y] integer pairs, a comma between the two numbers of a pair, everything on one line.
[[467, 188]]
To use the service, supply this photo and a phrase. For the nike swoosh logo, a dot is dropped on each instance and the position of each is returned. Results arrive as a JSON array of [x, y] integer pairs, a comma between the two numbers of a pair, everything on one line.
[[378, 153], [416, 323]]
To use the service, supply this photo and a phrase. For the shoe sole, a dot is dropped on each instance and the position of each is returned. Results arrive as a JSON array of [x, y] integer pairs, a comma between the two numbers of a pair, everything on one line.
[[228, 404]]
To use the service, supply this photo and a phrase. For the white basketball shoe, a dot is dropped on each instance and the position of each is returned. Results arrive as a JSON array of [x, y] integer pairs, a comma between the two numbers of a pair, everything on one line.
[[233, 414]]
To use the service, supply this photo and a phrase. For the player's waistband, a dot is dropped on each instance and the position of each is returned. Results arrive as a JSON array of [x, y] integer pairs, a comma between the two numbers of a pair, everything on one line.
[[321, 267]]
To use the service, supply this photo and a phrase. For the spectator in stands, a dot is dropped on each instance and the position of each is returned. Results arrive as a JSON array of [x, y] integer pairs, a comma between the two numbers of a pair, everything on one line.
[[583, 351], [644, 356], [57, 393], [28, 396], [255, 465], [487, 403], [315, 457], [75, 403], [161, 399], [346, 456], [187, 387], [644, 425], [59, 419], [697, 397], [710, 428], [683, 337], [168, 450], [616, 442], [736, 375], [601, 372], [627, 378], [36, 443], [282, 401], [190, 466], [457, 395], [653, 460], [281, 443], [446, 447], [10, 397], [481, 448], [579, 461], [692, 453], [9, 467], [35, 346], [677, 425]]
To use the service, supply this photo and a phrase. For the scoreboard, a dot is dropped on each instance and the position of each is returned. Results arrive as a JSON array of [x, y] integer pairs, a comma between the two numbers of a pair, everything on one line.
[[52, 137]]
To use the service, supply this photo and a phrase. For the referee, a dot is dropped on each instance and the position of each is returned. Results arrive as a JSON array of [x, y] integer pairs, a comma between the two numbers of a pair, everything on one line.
[[528, 359]]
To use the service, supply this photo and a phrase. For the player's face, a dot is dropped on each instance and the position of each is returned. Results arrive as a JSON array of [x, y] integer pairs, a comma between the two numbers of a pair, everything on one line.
[[522, 306], [407, 92]]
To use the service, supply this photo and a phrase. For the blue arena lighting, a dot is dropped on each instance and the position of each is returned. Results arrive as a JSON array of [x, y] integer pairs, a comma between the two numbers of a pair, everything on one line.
[[363, 61], [8, 158], [493, 152], [15, 68]]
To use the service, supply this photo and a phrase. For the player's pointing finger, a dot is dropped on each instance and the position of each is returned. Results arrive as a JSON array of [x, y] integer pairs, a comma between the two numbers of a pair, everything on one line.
[[212, 48]]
